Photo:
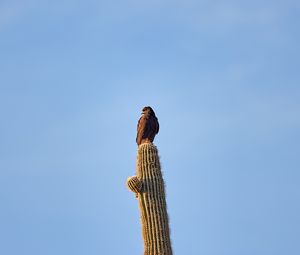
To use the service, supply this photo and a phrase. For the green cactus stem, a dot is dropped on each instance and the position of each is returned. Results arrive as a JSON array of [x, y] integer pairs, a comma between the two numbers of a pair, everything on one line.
[[148, 184]]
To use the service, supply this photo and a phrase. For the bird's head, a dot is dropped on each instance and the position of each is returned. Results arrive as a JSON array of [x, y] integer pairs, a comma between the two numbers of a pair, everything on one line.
[[148, 110]]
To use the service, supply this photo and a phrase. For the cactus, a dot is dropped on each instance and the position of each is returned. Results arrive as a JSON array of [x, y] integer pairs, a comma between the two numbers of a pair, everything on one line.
[[148, 184]]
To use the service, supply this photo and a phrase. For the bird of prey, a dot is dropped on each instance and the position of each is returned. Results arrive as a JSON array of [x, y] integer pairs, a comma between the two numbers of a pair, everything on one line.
[[147, 126]]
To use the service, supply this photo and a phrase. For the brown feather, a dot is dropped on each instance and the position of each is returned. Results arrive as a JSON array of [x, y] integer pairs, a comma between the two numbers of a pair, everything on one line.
[[147, 126]]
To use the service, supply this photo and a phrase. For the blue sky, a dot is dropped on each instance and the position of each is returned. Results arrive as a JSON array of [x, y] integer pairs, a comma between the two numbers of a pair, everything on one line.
[[223, 78]]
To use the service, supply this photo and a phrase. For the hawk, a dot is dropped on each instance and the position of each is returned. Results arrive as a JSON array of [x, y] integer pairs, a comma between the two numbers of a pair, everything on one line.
[[147, 126]]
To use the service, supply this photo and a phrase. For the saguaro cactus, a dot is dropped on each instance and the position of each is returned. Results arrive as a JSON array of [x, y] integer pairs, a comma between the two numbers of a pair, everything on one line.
[[148, 184]]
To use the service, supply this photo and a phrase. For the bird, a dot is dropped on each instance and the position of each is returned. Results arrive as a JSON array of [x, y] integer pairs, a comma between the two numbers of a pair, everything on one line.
[[147, 126]]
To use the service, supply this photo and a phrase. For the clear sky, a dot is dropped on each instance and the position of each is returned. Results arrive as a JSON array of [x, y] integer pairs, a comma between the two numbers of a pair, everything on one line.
[[224, 80]]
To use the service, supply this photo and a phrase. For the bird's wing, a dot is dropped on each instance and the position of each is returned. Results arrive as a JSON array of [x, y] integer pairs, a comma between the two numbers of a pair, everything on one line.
[[141, 126]]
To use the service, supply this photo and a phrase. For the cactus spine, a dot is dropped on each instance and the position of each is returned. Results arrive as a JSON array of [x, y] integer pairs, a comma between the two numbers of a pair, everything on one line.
[[148, 184]]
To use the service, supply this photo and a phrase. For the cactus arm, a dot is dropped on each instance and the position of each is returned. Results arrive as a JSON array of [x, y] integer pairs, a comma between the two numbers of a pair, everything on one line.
[[134, 184]]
